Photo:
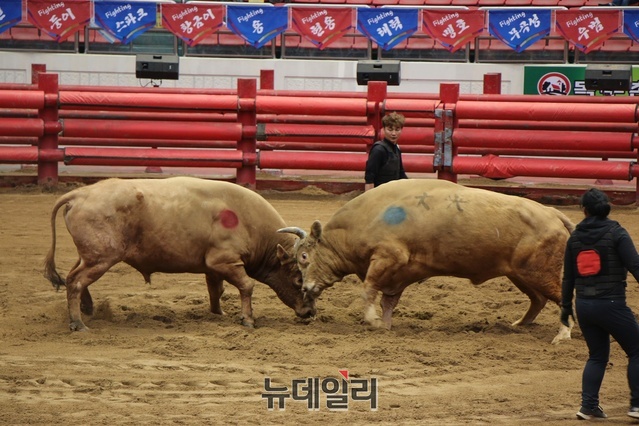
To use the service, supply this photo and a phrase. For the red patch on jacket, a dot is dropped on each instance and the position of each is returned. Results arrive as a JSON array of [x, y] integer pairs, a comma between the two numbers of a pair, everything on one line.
[[588, 263]]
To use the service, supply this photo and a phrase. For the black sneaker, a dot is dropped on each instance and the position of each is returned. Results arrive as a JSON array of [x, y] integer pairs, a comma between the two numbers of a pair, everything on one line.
[[593, 413], [634, 412]]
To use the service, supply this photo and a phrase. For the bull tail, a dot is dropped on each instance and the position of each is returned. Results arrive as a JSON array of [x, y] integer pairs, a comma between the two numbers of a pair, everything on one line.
[[50, 272], [567, 222]]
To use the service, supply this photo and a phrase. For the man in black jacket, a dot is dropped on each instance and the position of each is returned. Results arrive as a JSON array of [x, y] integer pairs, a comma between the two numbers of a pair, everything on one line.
[[599, 254], [384, 162]]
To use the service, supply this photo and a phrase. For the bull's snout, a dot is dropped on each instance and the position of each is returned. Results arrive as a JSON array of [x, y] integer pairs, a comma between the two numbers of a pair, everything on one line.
[[307, 310]]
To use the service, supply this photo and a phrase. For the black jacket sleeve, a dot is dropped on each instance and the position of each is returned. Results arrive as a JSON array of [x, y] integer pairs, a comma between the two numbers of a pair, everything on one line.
[[402, 173], [376, 160], [628, 253], [568, 281]]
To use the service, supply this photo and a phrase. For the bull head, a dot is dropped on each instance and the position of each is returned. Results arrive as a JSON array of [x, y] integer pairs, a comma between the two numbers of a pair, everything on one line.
[[303, 249], [302, 258]]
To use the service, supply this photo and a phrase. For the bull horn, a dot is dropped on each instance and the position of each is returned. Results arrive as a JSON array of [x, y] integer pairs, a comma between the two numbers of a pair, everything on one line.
[[294, 230]]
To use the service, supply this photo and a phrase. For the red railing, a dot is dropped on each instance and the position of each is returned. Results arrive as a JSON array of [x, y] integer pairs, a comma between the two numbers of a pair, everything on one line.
[[490, 135]]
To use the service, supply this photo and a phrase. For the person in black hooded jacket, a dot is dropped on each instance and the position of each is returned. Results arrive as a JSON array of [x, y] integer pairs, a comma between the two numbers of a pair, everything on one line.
[[599, 254], [384, 163]]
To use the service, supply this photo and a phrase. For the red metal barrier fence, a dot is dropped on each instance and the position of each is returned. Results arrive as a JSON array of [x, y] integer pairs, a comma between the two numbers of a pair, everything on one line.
[[449, 134]]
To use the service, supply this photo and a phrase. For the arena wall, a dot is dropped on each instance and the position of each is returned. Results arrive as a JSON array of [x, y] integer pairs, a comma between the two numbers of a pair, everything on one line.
[[290, 74]]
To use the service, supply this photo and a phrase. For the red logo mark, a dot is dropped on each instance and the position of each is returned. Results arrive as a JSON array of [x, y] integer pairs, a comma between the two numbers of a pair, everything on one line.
[[554, 83]]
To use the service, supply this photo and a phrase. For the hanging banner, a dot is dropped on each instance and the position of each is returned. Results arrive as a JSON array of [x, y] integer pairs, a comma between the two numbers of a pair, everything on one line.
[[60, 20], [322, 25], [10, 14], [192, 22], [257, 24], [387, 26], [453, 29], [519, 28], [587, 29], [124, 21], [631, 23]]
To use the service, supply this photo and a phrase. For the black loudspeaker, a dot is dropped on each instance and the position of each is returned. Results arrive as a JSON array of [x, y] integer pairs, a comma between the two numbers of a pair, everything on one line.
[[387, 71], [608, 77], [157, 67]]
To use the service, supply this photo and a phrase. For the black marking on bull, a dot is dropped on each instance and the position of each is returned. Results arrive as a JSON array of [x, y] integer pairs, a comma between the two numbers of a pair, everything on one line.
[[422, 200], [457, 201]]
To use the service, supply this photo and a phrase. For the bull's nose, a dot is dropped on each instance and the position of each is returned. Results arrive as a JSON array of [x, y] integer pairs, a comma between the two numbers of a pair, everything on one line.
[[308, 288]]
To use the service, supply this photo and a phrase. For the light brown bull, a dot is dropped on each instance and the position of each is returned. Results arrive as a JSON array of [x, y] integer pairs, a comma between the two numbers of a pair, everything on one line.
[[177, 225], [410, 230]]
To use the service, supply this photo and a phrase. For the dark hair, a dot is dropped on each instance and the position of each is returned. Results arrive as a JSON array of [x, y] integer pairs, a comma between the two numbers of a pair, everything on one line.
[[596, 203], [393, 119]]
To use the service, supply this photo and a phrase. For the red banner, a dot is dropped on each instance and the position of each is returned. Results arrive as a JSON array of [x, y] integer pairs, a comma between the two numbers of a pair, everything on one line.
[[322, 25], [59, 19], [587, 29], [192, 22], [453, 28]]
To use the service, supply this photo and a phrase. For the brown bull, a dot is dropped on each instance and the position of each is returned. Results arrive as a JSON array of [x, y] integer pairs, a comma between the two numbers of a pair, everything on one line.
[[410, 230], [177, 225]]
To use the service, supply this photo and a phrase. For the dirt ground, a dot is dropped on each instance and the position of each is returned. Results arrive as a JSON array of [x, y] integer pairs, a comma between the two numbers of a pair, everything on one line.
[[156, 355]]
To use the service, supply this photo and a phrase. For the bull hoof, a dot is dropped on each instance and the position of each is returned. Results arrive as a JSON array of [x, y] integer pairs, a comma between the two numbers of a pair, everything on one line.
[[78, 326], [564, 334], [375, 323], [248, 323]]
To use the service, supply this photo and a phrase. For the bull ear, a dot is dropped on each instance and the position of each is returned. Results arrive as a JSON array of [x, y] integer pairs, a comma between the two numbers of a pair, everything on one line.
[[282, 254], [316, 230], [293, 230]]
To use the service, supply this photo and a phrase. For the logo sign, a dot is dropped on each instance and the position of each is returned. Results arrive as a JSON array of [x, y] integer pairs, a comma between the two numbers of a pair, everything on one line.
[[321, 25], [387, 26], [10, 14], [555, 80], [587, 29], [631, 23], [453, 29], [554, 83], [192, 22], [257, 24], [60, 20], [125, 21], [333, 393], [519, 28]]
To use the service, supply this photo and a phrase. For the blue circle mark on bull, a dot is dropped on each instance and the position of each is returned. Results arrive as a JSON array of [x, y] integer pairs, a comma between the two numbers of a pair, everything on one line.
[[394, 215]]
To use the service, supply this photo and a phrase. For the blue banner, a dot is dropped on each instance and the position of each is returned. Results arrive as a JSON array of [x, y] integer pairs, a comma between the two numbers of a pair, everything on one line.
[[10, 14], [631, 23], [124, 21], [257, 24], [519, 28], [387, 26]]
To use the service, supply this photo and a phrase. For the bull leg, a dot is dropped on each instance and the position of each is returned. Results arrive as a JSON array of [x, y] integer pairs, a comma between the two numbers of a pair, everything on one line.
[[77, 282], [245, 286], [388, 303], [537, 302], [232, 270], [215, 286], [86, 302], [370, 314], [382, 270]]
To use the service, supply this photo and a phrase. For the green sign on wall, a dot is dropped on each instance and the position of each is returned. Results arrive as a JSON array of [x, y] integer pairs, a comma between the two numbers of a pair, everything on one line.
[[567, 80]]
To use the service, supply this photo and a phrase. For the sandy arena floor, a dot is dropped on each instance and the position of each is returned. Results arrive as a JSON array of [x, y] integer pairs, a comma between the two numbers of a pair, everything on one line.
[[155, 355]]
